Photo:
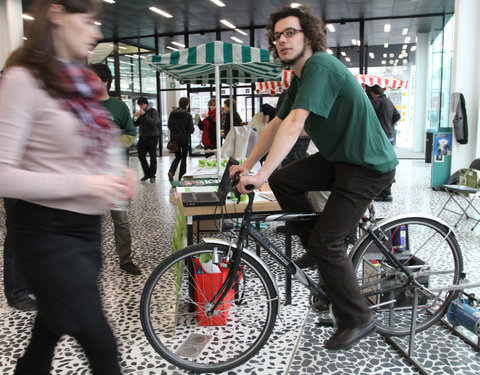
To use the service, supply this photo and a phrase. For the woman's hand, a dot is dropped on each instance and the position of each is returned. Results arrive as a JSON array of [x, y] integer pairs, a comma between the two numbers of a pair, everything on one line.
[[109, 187], [254, 181]]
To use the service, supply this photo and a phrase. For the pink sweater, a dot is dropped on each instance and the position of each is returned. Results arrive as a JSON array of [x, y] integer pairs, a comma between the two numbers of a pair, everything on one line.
[[42, 157]]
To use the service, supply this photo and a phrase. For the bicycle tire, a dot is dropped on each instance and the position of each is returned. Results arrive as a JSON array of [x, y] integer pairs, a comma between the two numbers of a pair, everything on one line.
[[432, 250], [175, 332]]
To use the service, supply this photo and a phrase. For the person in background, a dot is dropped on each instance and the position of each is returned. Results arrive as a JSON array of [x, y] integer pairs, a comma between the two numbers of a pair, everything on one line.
[[268, 112], [55, 137], [237, 120], [146, 118], [208, 125], [388, 116], [120, 115], [180, 124], [355, 161]]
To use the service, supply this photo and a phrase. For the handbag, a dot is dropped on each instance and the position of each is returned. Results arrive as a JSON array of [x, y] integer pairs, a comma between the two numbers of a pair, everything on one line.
[[173, 145]]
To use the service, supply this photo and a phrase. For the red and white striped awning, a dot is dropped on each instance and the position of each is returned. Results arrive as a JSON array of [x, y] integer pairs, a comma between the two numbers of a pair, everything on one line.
[[276, 87]]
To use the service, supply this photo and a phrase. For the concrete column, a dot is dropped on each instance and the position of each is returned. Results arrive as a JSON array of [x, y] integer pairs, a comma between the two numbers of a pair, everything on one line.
[[466, 77], [421, 84], [11, 27]]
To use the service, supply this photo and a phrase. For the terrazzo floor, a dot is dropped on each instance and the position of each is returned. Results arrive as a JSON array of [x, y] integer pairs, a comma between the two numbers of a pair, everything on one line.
[[296, 346]]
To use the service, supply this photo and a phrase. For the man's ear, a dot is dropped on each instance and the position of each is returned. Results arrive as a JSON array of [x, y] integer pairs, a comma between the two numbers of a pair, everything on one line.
[[56, 13]]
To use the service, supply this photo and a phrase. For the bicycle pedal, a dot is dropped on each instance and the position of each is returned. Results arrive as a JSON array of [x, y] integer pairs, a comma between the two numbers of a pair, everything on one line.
[[325, 322]]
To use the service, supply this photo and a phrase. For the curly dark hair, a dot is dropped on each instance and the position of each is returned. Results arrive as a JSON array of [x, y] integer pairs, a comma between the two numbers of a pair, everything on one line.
[[313, 27]]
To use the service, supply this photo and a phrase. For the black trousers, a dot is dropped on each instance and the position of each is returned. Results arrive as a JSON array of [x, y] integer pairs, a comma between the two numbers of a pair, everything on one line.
[[59, 253], [180, 157], [14, 282], [352, 189], [148, 145]]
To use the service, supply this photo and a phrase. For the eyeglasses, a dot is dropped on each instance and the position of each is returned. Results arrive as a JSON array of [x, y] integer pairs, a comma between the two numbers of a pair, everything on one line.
[[287, 33]]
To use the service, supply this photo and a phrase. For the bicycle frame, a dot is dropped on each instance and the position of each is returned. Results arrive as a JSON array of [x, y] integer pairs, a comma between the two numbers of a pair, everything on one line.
[[247, 230]]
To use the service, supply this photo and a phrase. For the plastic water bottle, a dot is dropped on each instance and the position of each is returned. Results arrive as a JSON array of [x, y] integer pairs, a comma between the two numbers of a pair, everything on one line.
[[207, 265], [114, 166]]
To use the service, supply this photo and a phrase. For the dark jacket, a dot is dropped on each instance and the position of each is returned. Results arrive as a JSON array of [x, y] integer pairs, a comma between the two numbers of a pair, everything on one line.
[[149, 123], [387, 114], [237, 121], [178, 119]]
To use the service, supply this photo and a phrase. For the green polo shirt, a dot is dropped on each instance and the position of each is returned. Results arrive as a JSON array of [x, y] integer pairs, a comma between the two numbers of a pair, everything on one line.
[[120, 115], [342, 122]]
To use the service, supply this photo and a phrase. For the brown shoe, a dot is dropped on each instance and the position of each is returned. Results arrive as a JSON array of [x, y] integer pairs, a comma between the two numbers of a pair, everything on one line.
[[346, 337], [306, 261]]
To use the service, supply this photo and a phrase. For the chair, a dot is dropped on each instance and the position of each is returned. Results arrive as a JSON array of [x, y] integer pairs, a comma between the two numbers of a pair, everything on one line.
[[463, 196]]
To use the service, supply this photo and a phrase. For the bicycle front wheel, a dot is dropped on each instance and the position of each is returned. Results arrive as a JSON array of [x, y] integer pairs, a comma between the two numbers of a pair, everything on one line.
[[174, 318], [429, 250]]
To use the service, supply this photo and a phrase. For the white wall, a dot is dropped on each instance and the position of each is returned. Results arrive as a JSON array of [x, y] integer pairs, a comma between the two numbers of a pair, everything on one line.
[[466, 76]]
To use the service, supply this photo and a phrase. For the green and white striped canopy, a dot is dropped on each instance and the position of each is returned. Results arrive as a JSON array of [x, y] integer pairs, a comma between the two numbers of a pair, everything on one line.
[[236, 63]]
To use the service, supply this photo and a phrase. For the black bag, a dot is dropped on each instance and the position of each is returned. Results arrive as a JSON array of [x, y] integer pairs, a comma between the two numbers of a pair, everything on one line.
[[173, 145], [460, 122]]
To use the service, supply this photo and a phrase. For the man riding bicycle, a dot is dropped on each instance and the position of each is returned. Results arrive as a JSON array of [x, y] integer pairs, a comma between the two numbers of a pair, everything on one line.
[[355, 160]]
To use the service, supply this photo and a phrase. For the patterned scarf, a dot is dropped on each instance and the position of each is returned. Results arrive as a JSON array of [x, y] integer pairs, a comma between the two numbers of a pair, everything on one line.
[[83, 90]]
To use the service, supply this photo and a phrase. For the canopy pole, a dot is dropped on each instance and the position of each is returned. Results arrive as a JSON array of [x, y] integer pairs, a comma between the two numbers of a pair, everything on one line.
[[219, 118], [231, 98]]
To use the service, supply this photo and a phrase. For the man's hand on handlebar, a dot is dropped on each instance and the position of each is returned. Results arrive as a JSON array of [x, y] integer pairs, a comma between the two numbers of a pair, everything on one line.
[[247, 183]]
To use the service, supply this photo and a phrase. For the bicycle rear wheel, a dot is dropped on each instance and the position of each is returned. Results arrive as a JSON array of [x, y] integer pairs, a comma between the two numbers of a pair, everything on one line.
[[173, 311], [428, 248]]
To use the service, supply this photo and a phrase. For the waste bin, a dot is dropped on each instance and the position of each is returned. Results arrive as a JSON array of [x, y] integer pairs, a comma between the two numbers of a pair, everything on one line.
[[441, 156]]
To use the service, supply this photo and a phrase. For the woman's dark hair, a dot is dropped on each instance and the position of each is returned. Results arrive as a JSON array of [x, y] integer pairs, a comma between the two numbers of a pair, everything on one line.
[[183, 103], [38, 51], [377, 89], [313, 28], [227, 103], [212, 101]]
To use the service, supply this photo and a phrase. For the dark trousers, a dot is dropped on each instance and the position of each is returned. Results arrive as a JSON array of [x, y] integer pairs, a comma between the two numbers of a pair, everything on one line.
[[59, 253], [352, 189], [180, 157], [14, 283], [148, 145], [122, 235]]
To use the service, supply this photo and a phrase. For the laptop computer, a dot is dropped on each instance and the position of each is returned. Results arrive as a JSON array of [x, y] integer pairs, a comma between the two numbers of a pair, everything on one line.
[[213, 198]]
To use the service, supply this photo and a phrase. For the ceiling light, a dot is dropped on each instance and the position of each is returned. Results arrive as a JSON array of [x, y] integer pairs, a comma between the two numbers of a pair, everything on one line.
[[392, 54], [110, 1], [413, 48], [384, 55], [404, 46], [354, 42], [228, 24], [173, 48], [384, 62], [347, 59], [372, 55], [391, 62], [407, 39], [387, 27], [343, 53], [236, 39], [330, 27], [179, 44], [98, 23], [385, 45], [405, 31], [241, 32], [405, 61], [27, 17], [161, 12], [329, 51], [218, 2]]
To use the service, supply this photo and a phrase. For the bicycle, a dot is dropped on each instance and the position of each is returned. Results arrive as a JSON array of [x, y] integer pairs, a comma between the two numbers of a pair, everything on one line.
[[218, 330]]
